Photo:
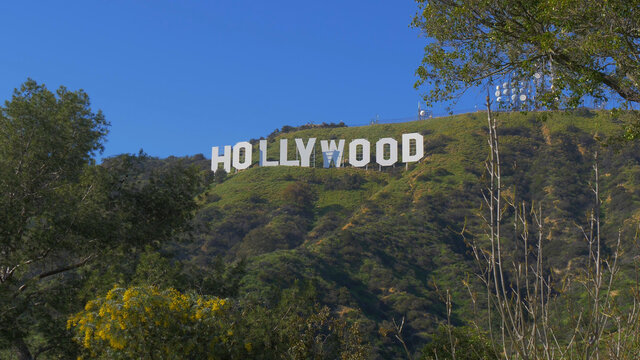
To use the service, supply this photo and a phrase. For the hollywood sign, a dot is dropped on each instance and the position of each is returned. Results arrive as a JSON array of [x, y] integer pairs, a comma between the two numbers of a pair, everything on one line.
[[240, 155]]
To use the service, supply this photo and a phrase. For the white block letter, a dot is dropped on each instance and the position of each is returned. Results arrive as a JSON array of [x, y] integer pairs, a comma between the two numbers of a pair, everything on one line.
[[353, 151], [305, 152], [283, 155], [243, 145], [263, 155], [406, 147], [393, 151], [225, 159], [332, 152]]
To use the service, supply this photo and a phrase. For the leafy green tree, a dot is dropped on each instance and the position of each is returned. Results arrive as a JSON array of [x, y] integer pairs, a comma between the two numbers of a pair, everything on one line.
[[155, 269], [59, 211], [214, 276], [584, 46], [292, 325]]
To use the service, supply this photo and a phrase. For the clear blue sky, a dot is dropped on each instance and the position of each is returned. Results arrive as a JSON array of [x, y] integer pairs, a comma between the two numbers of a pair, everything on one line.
[[177, 77]]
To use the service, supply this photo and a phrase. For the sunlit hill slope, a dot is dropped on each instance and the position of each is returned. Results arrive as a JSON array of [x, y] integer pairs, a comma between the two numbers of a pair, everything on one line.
[[376, 244]]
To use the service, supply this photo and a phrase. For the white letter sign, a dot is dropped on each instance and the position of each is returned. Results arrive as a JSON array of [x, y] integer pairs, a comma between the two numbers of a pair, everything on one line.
[[225, 159], [393, 151], [406, 147], [246, 146], [305, 152], [283, 155], [353, 152], [263, 155], [332, 152]]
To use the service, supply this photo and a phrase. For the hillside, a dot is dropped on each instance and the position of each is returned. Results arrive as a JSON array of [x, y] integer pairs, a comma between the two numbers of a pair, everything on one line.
[[377, 242]]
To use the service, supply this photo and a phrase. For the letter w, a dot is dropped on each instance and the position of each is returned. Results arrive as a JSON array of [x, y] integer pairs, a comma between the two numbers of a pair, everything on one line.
[[332, 152]]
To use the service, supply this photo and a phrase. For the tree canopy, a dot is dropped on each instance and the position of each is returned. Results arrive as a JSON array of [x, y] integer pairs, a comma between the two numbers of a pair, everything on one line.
[[59, 211], [581, 47]]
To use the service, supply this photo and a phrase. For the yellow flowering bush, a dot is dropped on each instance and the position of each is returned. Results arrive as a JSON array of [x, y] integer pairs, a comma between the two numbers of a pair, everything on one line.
[[145, 322], [148, 323]]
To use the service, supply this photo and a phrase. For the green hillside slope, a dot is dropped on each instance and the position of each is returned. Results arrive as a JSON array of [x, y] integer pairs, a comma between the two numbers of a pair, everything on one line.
[[376, 242]]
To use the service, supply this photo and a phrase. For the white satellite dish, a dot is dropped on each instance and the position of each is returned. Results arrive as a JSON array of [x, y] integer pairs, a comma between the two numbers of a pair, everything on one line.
[[423, 113], [514, 97], [499, 99], [498, 87], [505, 91], [523, 97], [504, 84], [497, 93]]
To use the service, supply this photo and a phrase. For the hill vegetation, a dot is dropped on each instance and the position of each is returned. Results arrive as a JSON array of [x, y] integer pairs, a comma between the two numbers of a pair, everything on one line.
[[380, 244]]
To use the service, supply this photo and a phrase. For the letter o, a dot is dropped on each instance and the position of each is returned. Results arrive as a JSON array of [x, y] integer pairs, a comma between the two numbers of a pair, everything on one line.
[[353, 151], [393, 151], [247, 155]]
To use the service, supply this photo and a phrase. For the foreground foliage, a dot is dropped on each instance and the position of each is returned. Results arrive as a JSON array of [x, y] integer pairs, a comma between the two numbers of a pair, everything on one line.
[[581, 47], [145, 322], [60, 212]]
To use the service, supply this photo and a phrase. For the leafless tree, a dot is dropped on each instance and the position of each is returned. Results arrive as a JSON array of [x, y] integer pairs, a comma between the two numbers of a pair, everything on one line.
[[521, 293]]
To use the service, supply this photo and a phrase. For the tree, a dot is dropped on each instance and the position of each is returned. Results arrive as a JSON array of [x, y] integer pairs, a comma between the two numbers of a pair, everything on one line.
[[300, 196], [145, 322], [582, 47], [59, 211]]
